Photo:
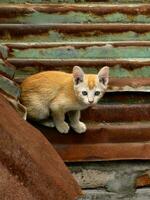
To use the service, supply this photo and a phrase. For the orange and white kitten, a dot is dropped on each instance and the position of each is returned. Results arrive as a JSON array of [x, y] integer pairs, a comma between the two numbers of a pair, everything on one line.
[[54, 93]]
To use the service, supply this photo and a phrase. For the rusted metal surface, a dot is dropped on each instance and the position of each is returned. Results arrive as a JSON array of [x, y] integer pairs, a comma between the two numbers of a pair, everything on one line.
[[10, 186], [103, 113], [72, 28], [103, 133], [129, 84], [11, 10], [56, 56], [77, 45], [74, 13], [73, 32], [58, 36], [31, 162], [94, 152], [123, 84], [116, 84], [105, 141], [53, 63], [125, 98], [74, 1], [79, 51]]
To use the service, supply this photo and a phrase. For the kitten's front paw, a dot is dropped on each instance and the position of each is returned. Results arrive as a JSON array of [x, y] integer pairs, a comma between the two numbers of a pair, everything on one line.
[[80, 127], [63, 128]]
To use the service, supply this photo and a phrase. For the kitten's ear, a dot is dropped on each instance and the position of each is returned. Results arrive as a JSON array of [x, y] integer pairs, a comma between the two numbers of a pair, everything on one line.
[[78, 75], [103, 75]]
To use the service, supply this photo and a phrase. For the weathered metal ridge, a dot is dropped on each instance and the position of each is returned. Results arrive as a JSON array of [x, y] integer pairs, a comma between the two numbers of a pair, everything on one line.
[[75, 1], [77, 45], [129, 84], [52, 63], [73, 32], [116, 84], [74, 13], [99, 152], [127, 98], [121, 85], [106, 133], [99, 9], [69, 28], [103, 141], [9, 87], [103, 113], [83, 51]]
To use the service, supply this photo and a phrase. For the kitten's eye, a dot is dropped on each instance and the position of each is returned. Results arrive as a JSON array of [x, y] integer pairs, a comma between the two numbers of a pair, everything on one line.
[[97, 93], [84, 93]]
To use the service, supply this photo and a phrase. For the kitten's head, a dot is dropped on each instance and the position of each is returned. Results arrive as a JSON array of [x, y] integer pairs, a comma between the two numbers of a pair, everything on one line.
[[90, 88]]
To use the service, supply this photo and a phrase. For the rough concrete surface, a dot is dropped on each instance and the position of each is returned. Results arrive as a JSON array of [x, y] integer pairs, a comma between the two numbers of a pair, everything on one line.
[[142, 194], [127, 180]]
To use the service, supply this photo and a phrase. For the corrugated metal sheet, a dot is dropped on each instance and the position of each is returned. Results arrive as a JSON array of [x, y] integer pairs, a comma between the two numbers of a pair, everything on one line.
[[75, 13], [74, 32], [64, 43], [49, 35], [28, 158]]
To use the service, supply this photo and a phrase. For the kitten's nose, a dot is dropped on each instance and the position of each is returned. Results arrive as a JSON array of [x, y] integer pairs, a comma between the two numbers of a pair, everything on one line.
[[91, 101]]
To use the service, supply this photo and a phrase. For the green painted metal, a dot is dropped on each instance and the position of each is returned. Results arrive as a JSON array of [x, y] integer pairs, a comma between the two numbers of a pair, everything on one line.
[[41, 28], [25, 72], [76, 17], [119, 68], [53, 36], [3, 52], [73, 33], [4, 69], [115, 71], [93, 52], [9, 87]]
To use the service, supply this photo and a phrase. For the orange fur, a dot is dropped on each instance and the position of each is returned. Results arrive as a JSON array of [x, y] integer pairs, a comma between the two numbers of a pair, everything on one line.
[[48, 84], [54, 93], [91, 81]]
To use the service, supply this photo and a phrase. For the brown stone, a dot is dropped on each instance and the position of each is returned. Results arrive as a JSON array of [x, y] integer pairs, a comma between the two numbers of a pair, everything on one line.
[[143, 181]]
